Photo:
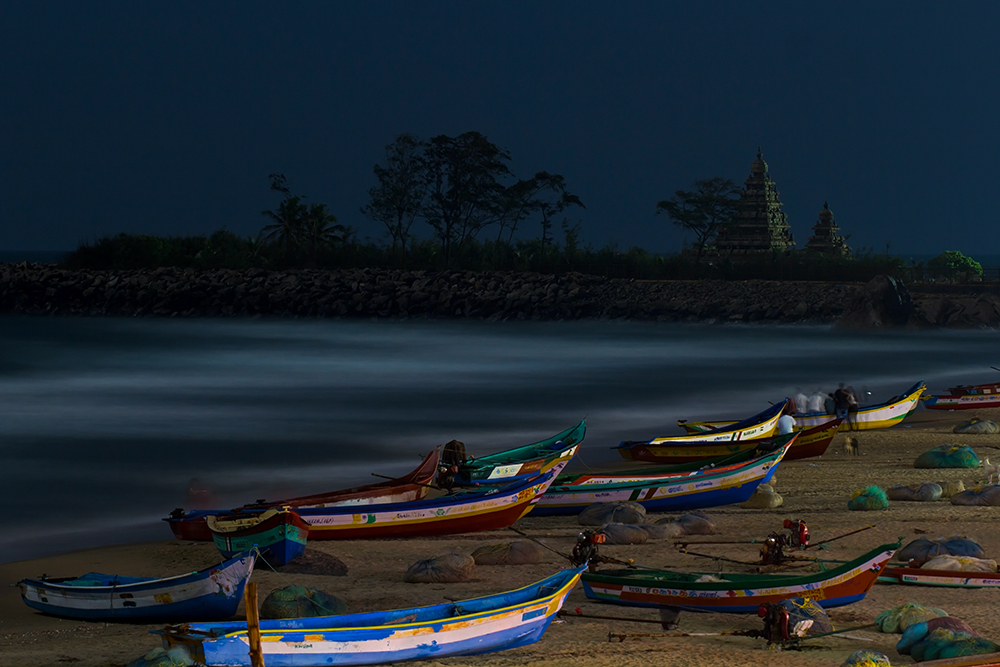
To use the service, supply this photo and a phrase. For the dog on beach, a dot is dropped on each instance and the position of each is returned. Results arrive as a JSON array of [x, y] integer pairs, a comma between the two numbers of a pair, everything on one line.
[[992, 471], [851, 446]]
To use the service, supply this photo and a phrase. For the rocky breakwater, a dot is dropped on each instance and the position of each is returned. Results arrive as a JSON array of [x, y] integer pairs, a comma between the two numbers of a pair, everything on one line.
[[886, 303], [40, 289]]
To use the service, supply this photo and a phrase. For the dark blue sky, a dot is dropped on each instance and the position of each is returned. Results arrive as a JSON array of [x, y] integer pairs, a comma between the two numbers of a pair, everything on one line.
[[166, 118]]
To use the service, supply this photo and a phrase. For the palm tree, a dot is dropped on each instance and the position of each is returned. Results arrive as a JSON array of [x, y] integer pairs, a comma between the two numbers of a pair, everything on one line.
[[320, 230], [287, 222]]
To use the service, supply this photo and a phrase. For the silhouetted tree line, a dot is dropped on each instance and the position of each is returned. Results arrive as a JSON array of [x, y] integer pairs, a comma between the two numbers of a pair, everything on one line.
[[477, 213]]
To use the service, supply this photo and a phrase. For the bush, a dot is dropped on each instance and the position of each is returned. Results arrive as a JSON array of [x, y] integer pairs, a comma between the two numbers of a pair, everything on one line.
[[952, 264]]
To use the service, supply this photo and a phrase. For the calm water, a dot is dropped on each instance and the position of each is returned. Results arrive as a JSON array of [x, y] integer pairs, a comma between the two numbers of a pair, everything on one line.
[[105, 421]]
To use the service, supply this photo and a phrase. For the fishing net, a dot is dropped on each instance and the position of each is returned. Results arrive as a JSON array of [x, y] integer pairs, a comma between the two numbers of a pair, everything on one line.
[[976, 426], [178, 656], [661, 531], [692, 523], [520, 552], [599, 514], [960, 564], [313, 561], [926, 492], [923, 549], [763, 498], [446, 569], [866, 658], [986, 494], [806, 618], [948, 456], [300, 602], [940, 638], [899, 618], [621, 533], [871, 498]]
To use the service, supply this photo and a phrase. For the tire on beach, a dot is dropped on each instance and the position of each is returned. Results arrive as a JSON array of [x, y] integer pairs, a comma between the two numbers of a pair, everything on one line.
[[447, 569], [300, 602], [519, 552], [600, 514]]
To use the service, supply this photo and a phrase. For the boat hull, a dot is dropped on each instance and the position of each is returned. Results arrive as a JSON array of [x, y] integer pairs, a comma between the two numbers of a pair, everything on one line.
[[878, 416], [193, 525], [280, 538], [706, 488], [841, 586], [523, 462], [494, 623], [213, 593], [967, 402], [810, 442], [949, 578]]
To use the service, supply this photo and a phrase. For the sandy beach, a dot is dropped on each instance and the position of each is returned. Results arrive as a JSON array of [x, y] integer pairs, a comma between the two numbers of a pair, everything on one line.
[[815, 490]]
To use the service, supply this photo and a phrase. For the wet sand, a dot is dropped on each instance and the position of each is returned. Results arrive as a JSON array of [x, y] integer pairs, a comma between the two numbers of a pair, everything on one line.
[[815, 490]]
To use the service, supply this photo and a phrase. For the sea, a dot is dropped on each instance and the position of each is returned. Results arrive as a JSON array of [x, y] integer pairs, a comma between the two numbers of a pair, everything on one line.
[[105, 423]]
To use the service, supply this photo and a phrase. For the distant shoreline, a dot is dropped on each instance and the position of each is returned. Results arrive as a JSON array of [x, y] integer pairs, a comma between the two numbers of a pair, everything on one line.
[[43, 289]]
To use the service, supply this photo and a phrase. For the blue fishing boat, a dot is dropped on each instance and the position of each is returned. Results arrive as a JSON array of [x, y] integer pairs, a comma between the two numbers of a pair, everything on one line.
[[469, 627], [210, 594], [279, 535], [668, 489]]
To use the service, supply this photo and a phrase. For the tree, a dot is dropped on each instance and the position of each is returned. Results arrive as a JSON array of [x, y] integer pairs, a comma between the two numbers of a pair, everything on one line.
[[320, 230], [288, 219], [951, 264], [543, 194], [464, 190], [397, 199], [706, 209]]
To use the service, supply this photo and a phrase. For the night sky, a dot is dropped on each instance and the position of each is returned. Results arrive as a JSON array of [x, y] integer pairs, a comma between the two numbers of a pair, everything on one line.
[[166, 118]]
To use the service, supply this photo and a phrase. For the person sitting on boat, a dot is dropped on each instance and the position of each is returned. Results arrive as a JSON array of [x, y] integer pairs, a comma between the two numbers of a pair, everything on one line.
[[817, 402], [786, 423]]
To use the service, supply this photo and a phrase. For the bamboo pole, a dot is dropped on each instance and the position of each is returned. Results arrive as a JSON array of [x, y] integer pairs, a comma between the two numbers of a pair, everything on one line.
[[253, 626]]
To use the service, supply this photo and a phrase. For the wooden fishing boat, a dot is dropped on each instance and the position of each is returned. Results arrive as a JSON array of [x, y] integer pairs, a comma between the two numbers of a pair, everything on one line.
[[737, 593], [209, 594], [279, 535], [811, 442], [490, 508], [468, 627], [964, 397], [522, 462], [673, 490], [761, 425], [192, 525], [883, 415], [956, 579]]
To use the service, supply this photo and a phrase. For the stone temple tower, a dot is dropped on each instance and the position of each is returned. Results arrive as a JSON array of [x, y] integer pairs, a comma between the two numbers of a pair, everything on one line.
[[826, 236], [761, 225]]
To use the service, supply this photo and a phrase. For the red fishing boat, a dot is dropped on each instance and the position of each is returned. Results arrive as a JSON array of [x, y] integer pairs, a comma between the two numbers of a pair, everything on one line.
[[192, 525]]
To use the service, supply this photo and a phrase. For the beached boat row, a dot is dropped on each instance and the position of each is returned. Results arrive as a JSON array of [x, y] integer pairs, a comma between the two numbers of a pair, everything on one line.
[[450, 493]]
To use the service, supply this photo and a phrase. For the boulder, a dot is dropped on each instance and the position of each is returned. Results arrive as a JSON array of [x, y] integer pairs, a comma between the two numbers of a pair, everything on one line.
[[300, 602], [519, 552], [883, 303], [447, 569], [599, 514]]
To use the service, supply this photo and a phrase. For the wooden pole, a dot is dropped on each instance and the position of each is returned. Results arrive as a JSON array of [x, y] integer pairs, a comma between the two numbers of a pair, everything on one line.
[[253, 626]]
